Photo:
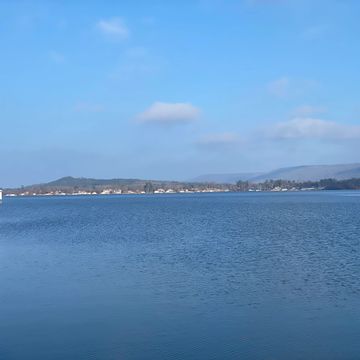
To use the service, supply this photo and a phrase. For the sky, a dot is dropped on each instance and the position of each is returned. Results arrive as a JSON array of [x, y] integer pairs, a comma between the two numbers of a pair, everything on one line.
[[175, 89]]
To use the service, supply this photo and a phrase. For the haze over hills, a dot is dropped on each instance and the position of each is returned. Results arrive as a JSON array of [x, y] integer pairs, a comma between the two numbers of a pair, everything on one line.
[[296, 173], [225, 178], [81, 185], [82, 182], [69, 181], [312, 172]]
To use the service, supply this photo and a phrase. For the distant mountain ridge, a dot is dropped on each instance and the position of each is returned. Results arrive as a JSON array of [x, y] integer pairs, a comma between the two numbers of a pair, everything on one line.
[[69, 181], [225, 178], [312, 173], [295, 173], [81, 183], [88, 186]]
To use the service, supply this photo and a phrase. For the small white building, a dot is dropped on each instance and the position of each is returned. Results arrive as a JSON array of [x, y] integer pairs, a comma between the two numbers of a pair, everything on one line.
[[1, 194], [106, 192], [159, 191]]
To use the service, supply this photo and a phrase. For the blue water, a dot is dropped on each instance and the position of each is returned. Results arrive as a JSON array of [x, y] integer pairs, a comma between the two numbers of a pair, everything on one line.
[[207, 276]]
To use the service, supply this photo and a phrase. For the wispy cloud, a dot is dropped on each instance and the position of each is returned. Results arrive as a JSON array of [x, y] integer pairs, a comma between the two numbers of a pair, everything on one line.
[[310, 128], [136, 64], [307, 110], [219, 140], [169, 113], [114, 28], [284, 87]]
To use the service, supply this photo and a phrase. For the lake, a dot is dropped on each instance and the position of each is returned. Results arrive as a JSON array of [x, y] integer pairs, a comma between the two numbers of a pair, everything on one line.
[[190, 276]]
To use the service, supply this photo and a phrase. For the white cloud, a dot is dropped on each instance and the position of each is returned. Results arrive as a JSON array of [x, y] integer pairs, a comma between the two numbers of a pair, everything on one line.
[[310, 128], [279, 87], [169, 113], [114, 27], [306, 110], [219, 139]]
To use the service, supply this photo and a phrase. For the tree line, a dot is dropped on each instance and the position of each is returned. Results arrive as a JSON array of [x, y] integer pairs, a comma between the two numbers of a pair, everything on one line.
[[324, 184]]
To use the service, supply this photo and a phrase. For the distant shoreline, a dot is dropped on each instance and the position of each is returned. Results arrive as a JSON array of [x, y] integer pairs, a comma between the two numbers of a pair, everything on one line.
[[76, 195], [92, 187]]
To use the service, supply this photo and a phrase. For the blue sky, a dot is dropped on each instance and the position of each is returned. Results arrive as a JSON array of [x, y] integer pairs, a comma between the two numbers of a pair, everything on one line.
[[172, 90]]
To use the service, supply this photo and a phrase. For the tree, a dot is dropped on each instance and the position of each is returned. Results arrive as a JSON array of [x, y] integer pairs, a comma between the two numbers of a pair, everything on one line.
[[149, 188], [242, 185]]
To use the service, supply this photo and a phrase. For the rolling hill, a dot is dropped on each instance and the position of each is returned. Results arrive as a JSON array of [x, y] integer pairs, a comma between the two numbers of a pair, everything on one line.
[[296, 173]]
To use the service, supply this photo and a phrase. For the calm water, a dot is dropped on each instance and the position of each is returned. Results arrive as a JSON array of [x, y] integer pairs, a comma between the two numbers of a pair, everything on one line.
[[208, 276]]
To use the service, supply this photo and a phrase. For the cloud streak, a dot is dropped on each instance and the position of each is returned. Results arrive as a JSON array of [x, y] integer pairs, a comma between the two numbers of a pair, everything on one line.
[[162, 113], [114, 27], [286, 87], [307, 110], [310, 128]]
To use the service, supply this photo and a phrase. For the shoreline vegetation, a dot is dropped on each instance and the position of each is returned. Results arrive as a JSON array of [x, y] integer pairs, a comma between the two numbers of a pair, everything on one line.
[[83, 186]]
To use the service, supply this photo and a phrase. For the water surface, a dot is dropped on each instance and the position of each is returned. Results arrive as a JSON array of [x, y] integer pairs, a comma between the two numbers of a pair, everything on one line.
[[189, 276]]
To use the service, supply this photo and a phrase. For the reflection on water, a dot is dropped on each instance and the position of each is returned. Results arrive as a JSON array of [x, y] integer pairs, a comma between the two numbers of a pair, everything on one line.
[[208, 276]]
